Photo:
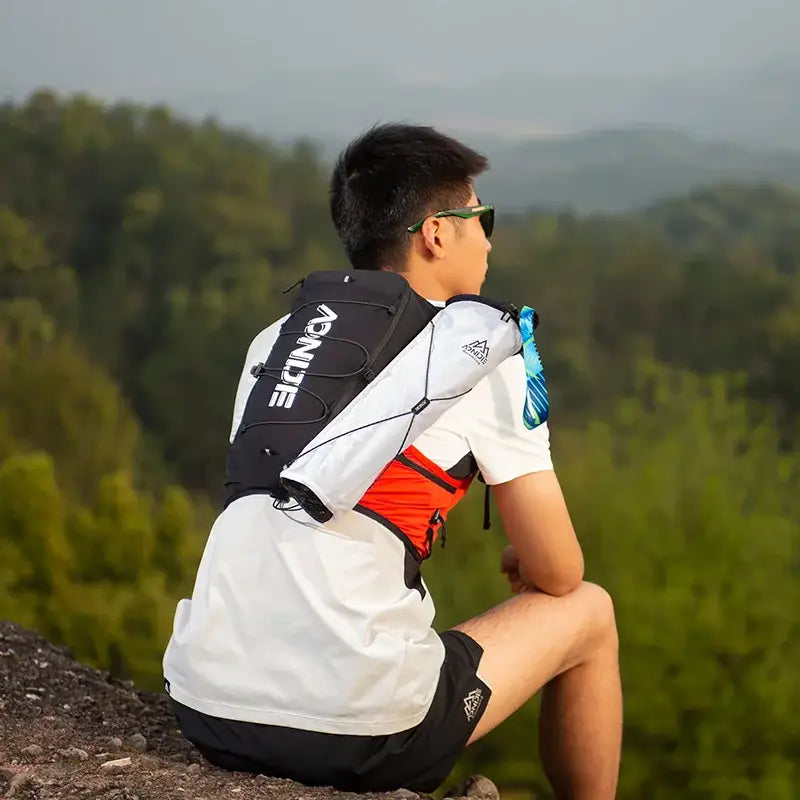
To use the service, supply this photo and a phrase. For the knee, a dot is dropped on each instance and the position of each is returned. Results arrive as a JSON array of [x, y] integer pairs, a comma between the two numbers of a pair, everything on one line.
[[602, 621]]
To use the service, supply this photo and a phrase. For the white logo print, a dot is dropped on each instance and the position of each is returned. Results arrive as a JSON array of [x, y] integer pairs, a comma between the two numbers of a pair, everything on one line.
[[300, 358], [479, 351], [472, 702]]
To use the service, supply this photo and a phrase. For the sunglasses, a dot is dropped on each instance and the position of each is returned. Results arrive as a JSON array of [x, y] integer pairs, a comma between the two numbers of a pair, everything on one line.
[[485, 214]]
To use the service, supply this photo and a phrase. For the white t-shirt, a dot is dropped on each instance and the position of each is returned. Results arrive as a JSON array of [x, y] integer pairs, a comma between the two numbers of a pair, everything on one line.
[[312, 626]]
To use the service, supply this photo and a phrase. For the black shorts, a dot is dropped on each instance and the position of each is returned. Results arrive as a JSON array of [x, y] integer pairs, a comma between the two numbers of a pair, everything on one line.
[[420, 758]]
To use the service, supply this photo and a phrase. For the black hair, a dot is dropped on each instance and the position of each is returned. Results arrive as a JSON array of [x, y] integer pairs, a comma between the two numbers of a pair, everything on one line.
[[390, 178]]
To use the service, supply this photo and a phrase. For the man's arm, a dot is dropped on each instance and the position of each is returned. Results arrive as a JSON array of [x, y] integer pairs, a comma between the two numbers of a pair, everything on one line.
[[516, 462], [539, 528]]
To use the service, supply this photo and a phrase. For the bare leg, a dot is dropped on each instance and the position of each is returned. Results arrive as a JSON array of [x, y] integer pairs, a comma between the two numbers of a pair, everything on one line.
[[569, 646], [580, 728]]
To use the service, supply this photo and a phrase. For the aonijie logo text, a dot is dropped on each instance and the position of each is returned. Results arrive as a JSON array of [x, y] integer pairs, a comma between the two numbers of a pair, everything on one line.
[[472, 703], [296, 366], [478, 351]]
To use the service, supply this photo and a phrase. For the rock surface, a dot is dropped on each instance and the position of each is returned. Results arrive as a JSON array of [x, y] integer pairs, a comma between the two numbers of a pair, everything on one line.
[[70, 732]]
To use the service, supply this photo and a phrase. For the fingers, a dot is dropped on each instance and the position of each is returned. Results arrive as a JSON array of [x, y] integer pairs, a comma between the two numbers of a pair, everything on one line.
[[513, 570], [509, 561], [516, 582]]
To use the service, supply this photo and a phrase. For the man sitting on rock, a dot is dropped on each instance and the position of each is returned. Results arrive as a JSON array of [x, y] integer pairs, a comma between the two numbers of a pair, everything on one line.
[[306, 650]]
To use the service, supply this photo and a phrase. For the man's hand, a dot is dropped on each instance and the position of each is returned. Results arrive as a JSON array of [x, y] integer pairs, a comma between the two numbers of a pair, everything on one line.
[[515, 572]]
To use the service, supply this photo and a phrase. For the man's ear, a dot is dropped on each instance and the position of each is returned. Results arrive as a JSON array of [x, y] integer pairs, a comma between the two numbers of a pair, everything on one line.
[[434, 237]]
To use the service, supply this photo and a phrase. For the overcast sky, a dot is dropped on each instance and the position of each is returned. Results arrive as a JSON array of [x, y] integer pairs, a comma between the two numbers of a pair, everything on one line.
[[118, 46], [725, 69]]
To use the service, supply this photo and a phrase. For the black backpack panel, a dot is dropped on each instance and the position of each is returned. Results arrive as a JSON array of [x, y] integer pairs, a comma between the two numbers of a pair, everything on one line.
[[344, 328]]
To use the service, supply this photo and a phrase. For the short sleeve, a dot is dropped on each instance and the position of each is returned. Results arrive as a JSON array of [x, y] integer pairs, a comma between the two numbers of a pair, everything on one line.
[[503, 447]]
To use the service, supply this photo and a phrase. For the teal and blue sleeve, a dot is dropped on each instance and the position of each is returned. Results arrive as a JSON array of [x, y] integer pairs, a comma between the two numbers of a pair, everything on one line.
[[537, 404]]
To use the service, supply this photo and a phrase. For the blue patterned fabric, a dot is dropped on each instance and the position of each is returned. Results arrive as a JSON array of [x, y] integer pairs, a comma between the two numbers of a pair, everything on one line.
[[537, 404]]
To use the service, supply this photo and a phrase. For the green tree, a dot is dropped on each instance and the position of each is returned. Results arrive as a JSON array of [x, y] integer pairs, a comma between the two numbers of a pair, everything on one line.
[[94, 577], [689, 515], [688, 512], [56, 401], [33, 549]]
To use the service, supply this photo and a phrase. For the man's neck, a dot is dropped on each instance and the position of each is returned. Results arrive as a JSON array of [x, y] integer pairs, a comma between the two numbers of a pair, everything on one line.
[[425, 284]]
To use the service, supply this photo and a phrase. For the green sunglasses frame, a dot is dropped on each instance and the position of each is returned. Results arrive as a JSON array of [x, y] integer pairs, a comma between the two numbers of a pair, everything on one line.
[[462, 213]]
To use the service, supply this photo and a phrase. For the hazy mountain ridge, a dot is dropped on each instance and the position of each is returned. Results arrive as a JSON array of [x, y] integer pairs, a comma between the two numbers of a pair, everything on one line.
[[614, 168]]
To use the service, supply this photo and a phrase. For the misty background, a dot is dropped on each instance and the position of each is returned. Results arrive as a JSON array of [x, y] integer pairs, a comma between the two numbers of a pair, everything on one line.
[[597, 106]]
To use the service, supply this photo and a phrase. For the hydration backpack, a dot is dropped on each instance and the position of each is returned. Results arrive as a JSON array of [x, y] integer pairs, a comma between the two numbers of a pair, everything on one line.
[[361, 367]]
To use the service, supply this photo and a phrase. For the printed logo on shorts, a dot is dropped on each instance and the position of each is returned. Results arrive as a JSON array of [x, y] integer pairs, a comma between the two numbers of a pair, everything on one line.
[[472, 702], [478, 351]]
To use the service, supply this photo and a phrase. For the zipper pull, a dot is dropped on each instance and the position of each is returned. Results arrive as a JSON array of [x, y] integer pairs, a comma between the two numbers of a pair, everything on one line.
[[429, 537], [294, 285], [438, 519]]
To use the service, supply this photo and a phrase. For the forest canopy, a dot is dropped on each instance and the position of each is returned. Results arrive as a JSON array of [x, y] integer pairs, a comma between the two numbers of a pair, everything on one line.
[[140, 254]]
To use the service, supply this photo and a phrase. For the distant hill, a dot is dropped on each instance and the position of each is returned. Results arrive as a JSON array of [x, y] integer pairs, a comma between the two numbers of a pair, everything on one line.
[[600, 170], [727, 217], [619, 170]]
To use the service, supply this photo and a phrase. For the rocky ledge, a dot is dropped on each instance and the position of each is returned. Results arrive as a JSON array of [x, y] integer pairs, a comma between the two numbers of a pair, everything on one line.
[[70, 732]]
